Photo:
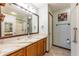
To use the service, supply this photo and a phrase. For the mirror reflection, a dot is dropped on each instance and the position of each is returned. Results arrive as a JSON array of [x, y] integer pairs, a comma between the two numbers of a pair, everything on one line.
[[18, 21]]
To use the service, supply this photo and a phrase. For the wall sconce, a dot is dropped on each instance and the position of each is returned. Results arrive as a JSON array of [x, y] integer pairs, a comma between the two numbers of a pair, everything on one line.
[[1, 15], [2, 4]]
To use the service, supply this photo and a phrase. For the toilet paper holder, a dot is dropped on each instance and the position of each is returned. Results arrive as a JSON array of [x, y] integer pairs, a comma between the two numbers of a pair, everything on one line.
[[68, 40]]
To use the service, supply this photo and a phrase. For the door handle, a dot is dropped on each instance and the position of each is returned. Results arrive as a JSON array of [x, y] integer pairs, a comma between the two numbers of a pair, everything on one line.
[[75, 34]]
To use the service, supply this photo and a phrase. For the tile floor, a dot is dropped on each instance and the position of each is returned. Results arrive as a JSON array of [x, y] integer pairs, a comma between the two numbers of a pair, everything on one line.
[[56, 51]]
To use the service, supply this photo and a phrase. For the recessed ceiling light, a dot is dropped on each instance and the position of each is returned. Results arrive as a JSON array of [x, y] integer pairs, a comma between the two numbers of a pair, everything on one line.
[[13, 13]]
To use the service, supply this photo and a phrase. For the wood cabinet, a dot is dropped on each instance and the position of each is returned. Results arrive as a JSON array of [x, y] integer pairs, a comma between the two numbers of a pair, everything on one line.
[[20, 52], [40, 48], [45, 44], [36, 49], [32, 50]]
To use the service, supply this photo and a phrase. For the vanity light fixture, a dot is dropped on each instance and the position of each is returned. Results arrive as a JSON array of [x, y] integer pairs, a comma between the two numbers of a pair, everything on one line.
[[1, 15], [30, 12], [2, 4]]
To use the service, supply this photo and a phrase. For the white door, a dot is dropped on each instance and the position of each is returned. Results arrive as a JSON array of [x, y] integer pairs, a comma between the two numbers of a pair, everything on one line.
[[75, 30], [63, 35]]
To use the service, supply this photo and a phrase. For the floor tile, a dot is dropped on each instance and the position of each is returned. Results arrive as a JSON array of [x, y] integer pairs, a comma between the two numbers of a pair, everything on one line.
[[56, 51]]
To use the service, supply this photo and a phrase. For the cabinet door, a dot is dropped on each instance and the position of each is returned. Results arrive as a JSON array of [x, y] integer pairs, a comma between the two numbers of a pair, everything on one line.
[[40, 48], [18, 53], [45, 41], [32, 50]]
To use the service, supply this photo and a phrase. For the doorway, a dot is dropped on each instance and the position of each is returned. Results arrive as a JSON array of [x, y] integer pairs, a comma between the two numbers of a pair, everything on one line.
[[59, 28], [53, 49]]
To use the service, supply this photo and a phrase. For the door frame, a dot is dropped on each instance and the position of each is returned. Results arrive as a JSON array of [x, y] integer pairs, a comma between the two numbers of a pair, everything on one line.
[[49, 13]]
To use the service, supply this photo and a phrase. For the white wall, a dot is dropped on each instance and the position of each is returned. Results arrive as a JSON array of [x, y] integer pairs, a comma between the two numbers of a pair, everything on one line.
[[56, 41], [43, 21]]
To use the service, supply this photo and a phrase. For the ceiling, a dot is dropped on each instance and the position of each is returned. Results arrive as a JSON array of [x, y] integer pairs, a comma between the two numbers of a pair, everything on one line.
[[53, 6], [38, 5], [59, 6]]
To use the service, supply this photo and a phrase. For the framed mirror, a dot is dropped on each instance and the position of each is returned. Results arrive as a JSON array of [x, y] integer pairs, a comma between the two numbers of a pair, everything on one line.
[[18, 21]]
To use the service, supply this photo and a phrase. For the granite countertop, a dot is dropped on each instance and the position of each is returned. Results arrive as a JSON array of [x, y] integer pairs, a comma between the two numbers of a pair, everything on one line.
[[14, 45]]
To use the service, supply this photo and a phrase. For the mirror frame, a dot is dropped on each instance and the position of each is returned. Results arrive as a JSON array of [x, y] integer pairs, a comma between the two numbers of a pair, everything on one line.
[[20, 34]]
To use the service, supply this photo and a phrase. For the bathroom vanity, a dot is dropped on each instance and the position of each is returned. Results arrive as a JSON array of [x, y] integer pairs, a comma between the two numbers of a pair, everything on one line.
[[34, 46], [35, 49]]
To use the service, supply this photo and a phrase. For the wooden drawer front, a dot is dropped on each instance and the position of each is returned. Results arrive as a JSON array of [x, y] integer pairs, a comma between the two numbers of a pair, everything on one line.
[[32, 50]]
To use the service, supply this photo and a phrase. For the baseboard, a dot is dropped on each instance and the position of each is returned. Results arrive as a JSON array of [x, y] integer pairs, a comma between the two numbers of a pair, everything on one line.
[[61, 47]]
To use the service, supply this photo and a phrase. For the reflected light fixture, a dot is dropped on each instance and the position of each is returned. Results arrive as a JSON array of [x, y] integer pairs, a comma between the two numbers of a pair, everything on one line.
[[13, 13], [1, 15], [29, 17]]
